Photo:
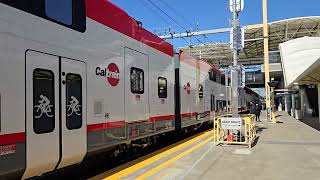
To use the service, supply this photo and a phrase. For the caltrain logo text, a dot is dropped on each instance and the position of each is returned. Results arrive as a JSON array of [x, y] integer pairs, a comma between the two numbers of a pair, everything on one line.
[[187, 87], [111, 72]]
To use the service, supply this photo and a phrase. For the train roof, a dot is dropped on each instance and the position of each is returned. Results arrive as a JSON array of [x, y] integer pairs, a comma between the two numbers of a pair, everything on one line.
[[110, 15], [204, 66]]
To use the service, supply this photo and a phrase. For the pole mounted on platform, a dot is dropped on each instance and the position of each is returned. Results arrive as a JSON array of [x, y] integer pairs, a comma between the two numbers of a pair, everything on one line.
[[236, 39], [266, 58]]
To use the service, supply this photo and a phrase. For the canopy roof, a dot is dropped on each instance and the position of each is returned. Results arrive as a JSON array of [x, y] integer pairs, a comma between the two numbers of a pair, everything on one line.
[[301, 61], [219, 54]]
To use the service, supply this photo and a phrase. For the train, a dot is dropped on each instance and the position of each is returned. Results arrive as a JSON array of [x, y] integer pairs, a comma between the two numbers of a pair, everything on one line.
[[82, 78]]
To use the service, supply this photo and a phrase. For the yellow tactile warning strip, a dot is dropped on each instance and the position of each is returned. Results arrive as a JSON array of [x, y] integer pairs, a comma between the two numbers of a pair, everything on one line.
[[128, 171], [172, 160]]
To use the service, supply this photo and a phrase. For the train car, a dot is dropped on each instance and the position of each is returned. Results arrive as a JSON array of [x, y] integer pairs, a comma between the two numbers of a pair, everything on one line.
[[202, 90], [77, 77], [88, 78]]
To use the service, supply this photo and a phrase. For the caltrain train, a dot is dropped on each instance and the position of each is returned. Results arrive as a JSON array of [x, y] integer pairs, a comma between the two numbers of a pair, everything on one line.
[[80, 78]]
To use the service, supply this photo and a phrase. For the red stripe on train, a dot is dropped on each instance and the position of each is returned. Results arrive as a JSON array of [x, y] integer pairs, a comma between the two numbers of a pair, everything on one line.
[[117, 124], [12, 138], [189, 114], [101, 126], [108, 14], [162, 118]]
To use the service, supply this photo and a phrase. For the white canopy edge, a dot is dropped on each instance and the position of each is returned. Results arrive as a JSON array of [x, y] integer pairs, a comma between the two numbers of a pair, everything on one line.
[[299, 57]]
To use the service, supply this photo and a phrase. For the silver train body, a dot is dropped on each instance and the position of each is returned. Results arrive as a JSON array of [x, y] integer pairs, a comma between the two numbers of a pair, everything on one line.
[[82, 77]]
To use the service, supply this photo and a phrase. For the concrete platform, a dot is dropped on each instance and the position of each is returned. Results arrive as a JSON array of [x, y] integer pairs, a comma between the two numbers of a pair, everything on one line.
[[288, 150]]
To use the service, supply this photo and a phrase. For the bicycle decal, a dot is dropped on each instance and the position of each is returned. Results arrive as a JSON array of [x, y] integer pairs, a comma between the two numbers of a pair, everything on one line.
[[73, 107], [44, 107]]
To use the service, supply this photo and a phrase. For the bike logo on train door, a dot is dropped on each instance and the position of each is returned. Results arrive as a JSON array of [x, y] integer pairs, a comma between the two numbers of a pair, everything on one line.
[[187, 87], [73, 107], [44, 107]]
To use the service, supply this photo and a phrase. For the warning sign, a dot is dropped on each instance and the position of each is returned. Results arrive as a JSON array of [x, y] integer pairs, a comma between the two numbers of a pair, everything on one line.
[[231, 123], [7, 149]]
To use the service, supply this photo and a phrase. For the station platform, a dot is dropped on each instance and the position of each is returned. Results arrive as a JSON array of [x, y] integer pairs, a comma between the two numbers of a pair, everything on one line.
[[289, 149]]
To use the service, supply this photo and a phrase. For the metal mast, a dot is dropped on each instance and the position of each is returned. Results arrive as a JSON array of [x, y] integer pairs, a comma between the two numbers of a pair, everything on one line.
[[266, 57], [236, 7]]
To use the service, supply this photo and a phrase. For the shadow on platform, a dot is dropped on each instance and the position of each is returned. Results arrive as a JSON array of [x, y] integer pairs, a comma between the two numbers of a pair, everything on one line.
[[312, 122]]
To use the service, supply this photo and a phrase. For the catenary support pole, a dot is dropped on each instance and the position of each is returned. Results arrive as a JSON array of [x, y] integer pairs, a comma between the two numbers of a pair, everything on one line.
[[266, 57], [234, 72]]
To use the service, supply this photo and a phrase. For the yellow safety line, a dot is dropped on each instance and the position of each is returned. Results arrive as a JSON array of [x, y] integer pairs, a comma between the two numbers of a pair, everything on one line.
[[142, 164], [165, 173], [172, 160]]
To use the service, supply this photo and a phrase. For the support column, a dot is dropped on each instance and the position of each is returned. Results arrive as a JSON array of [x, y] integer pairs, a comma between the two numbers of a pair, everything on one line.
[[286, 103], [319, 100], [302, 95], [293, 105], [266, 56]]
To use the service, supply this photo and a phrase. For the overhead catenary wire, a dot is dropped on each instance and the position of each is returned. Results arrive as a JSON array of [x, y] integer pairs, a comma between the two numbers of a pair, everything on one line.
[[176, 12], [172, 19], [155, 13]]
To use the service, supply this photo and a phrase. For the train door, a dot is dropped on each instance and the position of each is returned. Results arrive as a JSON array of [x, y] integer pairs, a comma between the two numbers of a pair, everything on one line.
[[73, 112], [212, 103], [55, 112], [136, 88]]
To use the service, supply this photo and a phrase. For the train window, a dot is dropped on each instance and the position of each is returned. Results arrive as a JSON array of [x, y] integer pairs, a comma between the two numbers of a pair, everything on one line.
[[43, 101], [223, 80], [211, 76], [200, 91], [73, 101], [137, 80], [218, 80], [59, 10], [69, 13], [162, 87]]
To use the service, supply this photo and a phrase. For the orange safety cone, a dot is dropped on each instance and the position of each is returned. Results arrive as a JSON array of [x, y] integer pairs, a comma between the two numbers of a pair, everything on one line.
[[230, 138]]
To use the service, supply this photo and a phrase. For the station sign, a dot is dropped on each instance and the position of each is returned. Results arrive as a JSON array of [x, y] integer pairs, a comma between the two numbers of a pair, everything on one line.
[[231, 123]]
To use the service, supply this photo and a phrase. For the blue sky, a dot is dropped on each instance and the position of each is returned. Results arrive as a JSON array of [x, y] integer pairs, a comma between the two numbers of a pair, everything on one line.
[[210, 14]]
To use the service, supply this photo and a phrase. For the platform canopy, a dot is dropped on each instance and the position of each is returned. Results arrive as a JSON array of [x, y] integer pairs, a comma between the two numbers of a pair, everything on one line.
[[219, 54], [301, 61]]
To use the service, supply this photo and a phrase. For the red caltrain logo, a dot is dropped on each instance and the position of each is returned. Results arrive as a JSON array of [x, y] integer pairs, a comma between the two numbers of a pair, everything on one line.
[[111, 72], [187, 88]]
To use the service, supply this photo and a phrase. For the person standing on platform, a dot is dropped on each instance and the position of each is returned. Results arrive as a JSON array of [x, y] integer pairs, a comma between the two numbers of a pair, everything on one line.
[[252, 108], [257, 112]]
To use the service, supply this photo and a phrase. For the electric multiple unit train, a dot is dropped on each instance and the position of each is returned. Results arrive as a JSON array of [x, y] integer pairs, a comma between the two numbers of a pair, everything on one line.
[[79, 78]]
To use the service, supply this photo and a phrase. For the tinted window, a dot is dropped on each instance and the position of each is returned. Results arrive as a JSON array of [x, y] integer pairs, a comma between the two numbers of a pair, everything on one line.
[[162, 87], [223, 80], [213, 76], [200, 91], [69, 13], [74, 101], [59, 10], [43, 101], [137, 80]]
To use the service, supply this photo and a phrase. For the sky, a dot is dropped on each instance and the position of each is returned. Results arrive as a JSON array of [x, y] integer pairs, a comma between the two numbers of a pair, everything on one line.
[[209, 14], [186, 15]]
